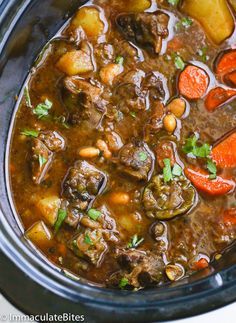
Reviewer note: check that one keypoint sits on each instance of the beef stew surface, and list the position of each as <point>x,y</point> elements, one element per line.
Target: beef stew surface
<point>123,154</point>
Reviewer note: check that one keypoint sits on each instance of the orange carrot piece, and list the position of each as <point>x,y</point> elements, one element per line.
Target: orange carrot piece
<point>230,79</point>
<point>229,216</point>
<point>200,179</point>
<point>226,63</point>
<point>224,154</point>
<point>201,264</point>
<point>193,82</point>
<point>62,249</point>
<point>218,96</point>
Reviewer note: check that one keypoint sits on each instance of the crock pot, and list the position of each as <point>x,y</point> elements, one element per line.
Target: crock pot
<point>26,278</point>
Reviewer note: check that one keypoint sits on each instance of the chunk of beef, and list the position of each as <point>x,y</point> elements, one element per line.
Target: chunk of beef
<point>53,140</point>
<point>145,29</point>
<point>41,160</point>
<point>154,85</point>
<point>140,268</point>
<point>155,123</point>
<point>83,100</point>
<point>166,200</point>
<point>105,222</point>
<point>136,160</point>
<point>82,184</point>
<point>90,245</point>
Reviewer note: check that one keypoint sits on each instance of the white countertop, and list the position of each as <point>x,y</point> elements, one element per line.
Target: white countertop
<point>226,314</point>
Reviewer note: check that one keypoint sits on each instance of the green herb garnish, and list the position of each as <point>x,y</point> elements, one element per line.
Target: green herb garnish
<point>135,241</point>
<point>27,97</point>
<point>142,156</point>
<point>119,60</point>
<point>30,133</point>
<point>167,173</point>
<point>186,22</point>
<point>94,214</point>
<point>211,166</point>
<point>62,120</point>
<point>42,109</point>
<point>87,239</point>
<point>203,54</point>
<point>177,170</point>
<point>133,114</point>
<point>42,161</point>
<point>179,63</point>
<point>61,215</point>
<point>173,2</point>
<point>123,282</point>
<point>192,148</point>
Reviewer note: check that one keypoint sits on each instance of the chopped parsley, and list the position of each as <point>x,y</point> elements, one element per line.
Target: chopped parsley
<point>211,166</point>
<point>142,156</point>
<point>173,2</point>
<point>203,54</point>
<point>27,97</point>
<point>87,239</point>
<point>42,161</point>
<point>135,241</point>
<point>119,60</point>
<point>61,215</point>
<point>30,133</point>
<point>167,173</point>
<point>94,214</point>
<point>185,22</point>
<point>177,170</point>
<point>42,109</point>
<point>133,114</point>
<point>123,282</point>
<point>179,63</point>
<point>191,148</point>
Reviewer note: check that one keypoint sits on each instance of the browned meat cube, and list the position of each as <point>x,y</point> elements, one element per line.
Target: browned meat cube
<point>53,140</point>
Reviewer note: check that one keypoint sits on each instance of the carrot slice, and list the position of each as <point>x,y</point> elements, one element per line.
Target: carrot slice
<point>229,216</point>
<point>218,96</point>
<point>224,154</point>
<point>200,264</point>
<point>193,82</point>
<point>226,63</point>
<point>200,179</point>
<point>230,79</point>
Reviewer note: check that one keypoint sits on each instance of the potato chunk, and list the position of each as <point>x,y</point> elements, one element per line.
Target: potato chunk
<point>49,207</point>
<point>109,72</point>
<point>75,62</point>
<point>138,5</point>
<point>214,15</point>
<point>89,19</point>
<point>39,234</point>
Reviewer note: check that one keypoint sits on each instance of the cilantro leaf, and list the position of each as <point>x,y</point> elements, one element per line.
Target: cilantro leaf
<point>142,156</point>
<point>211,166</point>
<point>186,22</point>
<point>42,161</point>
<point>30,133</point>
<point>119,60</point>
<point>27,97</point>
<point>94,214</point>
<point>134,241</point>
<point>191,147</point>
<point>42,109</point>
<point>179,63</point>
<point>87,240</point>
<point>61,215</point>
<point>167,173</point>
<point>123,282</point>
<point>177,170</point>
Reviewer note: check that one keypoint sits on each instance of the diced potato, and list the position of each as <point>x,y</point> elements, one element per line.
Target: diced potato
<point>75,62</point>
<point>39,234</point>
<point>233,4</point>
<point>49,207</point>
<point>138,5</point>
<point>109,72</point>
<point>89,19</point>
<point>214,15</point>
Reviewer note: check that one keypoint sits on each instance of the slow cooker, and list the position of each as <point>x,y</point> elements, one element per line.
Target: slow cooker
<point>26,278</point>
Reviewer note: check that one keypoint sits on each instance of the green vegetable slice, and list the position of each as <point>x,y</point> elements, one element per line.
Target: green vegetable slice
<point>94,214</point>
<point>61,215</point>
<point>30,133</point>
